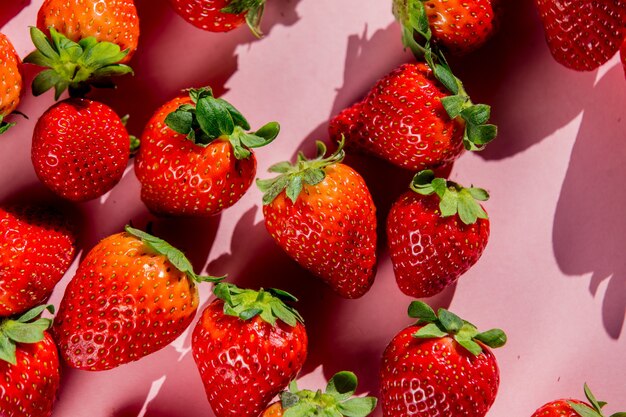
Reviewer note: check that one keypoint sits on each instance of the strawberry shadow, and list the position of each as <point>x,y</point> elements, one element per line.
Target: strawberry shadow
<point>589,234</point>
<point>9,9</point>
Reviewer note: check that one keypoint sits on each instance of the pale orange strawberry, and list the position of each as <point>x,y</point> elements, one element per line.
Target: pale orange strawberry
<point>10,81</point>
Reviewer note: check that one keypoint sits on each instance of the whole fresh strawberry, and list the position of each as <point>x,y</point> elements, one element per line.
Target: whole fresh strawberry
<point>29,365</point>
<point>80,149</point>
<point>335,400</point>
<point>583,34</point>
<point>196,156</point>
<point>37,246</point>
<point>575,408</point>
<point>132,295</point>
<point>436,231</point>
<point>11,86</point>
<point>221,15</point>
<point>248,346</point>
<point>440,366</point>
<point>322,214</point>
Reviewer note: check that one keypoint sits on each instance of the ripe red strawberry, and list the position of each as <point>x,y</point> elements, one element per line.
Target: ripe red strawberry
<point>37,246</point>
<point>80,149</point>
<point>322,214</point>
<point>132,295</point>
<point>436,232</point>
<point>575,408</point>
<point>11,85</point>
<point>441,366</point>
<point>221,15</point>
<point>583,34</point>
<point>247,345</point>
<point>335,400</point>
<point>196,157</point>
<point>29,365</point>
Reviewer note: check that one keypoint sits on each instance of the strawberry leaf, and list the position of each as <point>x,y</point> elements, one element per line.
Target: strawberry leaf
<point>23,330</point>
<point>342,385</point>
<point>422,311</point>
<point>430,331</point>
<point>493,338</point>
<point>584,410</point>
<point>357,407</point>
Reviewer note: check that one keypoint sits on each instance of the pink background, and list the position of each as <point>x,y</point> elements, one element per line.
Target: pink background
<point>554,272</point>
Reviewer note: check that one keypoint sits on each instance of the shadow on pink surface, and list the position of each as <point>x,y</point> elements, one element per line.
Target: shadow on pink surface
<point>589,232</point>
<point>10,8</point>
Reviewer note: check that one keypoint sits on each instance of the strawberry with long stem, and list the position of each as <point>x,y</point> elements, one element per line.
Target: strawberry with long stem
<point>575,408</point>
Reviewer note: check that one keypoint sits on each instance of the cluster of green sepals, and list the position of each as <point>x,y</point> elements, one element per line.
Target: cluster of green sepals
<point>76,66</point>
<point>305,171</point>
<point>596,406</point>
<point>253,10</point>
<point>417,35</point>
<point>28,328</point>
<point>335,401</point>
<point>210,118</point>
<point>270,305</point>
<point>454,198</point>
<point>175,256</point>
<point>444,324</point>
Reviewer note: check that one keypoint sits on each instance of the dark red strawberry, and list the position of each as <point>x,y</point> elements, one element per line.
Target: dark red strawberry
<point>80,149</point>
<point>196,157</point>
<point>37,246</point>
<point>436,232</point>
<point>322,214</point>
<point>11,85</point>
<point>575,408</point>
<point>583,34</point>
<point>248,346</point>
<point>29,365</point>
<point>441,366</point>
<point>132,295</point>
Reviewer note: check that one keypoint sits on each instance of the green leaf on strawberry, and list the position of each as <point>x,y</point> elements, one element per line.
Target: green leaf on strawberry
<point>26,328</point>
<point>254,13</point>
<point>584,410</point>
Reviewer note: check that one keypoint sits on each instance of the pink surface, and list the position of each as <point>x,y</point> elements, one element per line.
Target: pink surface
<point>554,272</point>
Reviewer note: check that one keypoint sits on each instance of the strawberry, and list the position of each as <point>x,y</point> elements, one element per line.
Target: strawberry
<point>247,345</point>
<point>132,295</point>
<point>11,85</point>
<point>196,157</point>
<point>29,365</point>
<point>80,149</point>
<point>583,34</point>
<point>322,214</point>
<point>440,366</point>
<point>37,246</point>
<point>436,232</point>
<point>335,401</point>
<point>575,408</point>
<point>221,15</point>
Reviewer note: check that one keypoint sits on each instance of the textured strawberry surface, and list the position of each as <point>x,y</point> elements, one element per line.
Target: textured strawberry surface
<point>207,15</point>
<point>274,410</point>
<point>10,76</point>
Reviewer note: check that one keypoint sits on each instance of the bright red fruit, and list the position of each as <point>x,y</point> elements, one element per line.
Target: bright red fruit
<point>196,157</point>
<point>221,15</point>
<point>80,149</point>
<point>248,346</point>
<point>575,408</point>
<point>132,295</point>
<point>441,366</point>
<point>12,80</point>
<point>37,246</point>
<point>322,214</point>
<point>436,232</point>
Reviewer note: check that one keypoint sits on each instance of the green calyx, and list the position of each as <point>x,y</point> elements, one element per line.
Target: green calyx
<point>4,125</point>
<point>417,35</point>
<point>454,198</point>
<point>175,256</point>
<point>28,328</point>
<point>270,305</point>
<point>74,66</point>
<point>210,119</point>
<point>444,324</point>
<point>336,401</point>
<point>293,176</point>
<point>596,406</point>
<point>253,10</point>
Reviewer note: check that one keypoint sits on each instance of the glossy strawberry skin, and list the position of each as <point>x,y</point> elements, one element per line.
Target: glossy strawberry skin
<point>11,77</point>
<point>436,377</point>
<point>403,121</point>
<point>583,34</point>
<point>29,388</point>
<point>37,247</point>
<point>430,252</point>
<point>114,21</point>
<point>330,230</point>
<point>80,149</point>
<point>559,408</point>
<point>245,364</point>
<point>180,178</point>
<point>207,15</point>
<point>274,410</point>
<point>125,302</point>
